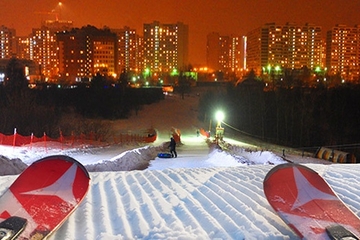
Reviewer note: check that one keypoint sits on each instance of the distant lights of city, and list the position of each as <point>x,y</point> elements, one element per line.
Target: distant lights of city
<point>163,48</point>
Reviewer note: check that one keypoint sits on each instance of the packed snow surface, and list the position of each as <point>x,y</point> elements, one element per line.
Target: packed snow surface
<point>205,193</point>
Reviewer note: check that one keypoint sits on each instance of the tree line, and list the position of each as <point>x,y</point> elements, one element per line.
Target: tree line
<point>298,116</point>
<point>71,109</point>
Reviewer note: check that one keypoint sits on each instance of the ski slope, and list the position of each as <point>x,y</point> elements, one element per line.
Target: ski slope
<point>205,193</point>
<point>189,203</point>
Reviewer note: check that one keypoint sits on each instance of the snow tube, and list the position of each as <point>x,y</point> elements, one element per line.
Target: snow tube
<point>164,155</point>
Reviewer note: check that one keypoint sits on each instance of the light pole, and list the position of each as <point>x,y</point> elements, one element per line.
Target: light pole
<point>219,117</point>
<point>219,130</point>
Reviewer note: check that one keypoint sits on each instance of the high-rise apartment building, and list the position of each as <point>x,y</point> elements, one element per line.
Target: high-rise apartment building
<point>343,51</point>
<point>43,47</point>
<point>140,53</point>
<point>243,53</point>
<point>23,50</point>
<point>7,42</point>
<point>85,52</point>
<point>235,54</point>
<point>213,51</point>
<point>165,46</point>
<point>128,50</point>
<point>290,46</point>
<point>223,53</point>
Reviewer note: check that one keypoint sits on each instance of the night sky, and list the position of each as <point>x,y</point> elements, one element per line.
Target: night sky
<point>203,16</point>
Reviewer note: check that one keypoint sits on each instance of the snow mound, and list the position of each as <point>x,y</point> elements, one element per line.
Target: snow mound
<point>136,159</point>
<point>11,167</point>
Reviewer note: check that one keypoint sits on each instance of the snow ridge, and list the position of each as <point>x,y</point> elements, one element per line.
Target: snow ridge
<point>203,203</point>
<point>199,203</point>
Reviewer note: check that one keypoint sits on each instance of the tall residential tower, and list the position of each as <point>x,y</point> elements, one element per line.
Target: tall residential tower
<point>7,42</point>
<point>85,52</point>
<point>44,49</point>
<point>128,49</point>
<point>223,53</point>
<point>165,46</point>
<point>291,46</point>
<point>343,51</point>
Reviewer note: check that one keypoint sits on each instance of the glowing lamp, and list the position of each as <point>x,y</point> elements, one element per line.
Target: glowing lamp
<point>219,116</point>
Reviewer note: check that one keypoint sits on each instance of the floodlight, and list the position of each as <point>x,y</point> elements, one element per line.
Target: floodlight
<point>219,116</point>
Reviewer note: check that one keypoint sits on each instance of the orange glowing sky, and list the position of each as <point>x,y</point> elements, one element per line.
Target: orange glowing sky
<point>203,16</point>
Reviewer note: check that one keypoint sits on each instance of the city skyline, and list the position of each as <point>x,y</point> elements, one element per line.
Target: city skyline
<point>226,17</point>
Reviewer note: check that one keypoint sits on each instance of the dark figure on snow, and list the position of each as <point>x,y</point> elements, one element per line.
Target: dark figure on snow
<point>172,147</point>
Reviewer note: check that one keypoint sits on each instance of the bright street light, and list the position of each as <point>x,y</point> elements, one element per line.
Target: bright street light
<point>219,116</point>
<point>219,130</point>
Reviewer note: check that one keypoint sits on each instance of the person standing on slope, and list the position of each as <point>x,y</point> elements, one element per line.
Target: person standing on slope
<point>172,146</point>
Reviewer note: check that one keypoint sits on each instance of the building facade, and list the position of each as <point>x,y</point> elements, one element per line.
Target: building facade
<point>44,49</point>
<point>165,46</point>
<point>128,50</point>
<point>23,50</point>
<point>7,42</point>
<point>213,51</point>
<point>289,46</point>
<point>343,52</point>
<point>223,53</point>
<point>85,52</point>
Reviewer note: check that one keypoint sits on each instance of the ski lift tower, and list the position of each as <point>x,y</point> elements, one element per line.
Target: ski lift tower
<point>219,133</point>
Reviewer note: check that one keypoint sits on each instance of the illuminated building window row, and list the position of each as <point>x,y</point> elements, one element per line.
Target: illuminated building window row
<point>291,46</point>
<point>63,56</point>
<point>161,42</point>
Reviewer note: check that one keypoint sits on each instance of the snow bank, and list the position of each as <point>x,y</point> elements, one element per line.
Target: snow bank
<point>190,155</point>
<point>11,167</point>
<point>136,159</point>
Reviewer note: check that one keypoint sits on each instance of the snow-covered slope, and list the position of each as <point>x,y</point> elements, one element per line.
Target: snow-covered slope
<point>192,203</point>
<point>202,203</point>
<point>205,193</point>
